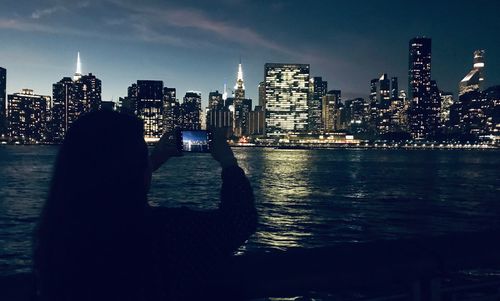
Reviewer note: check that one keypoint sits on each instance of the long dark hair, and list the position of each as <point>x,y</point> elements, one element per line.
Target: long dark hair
<point>90,238</point>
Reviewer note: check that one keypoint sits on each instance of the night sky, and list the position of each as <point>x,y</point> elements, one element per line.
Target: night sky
<point>196,45</point>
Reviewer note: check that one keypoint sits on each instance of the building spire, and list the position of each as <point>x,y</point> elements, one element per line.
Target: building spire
<point>239,81</point>
<point>224,94</point>
<point>78,73</point>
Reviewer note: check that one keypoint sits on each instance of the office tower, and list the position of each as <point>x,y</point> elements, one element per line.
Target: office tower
<point>383,90</point>
<point>446,103</point>
<point>474,79</point>
<point>215,101</point>
<point>492,95</point>
<point>128,104</point>
<point>317,89</point>
<point>422,117</point>
<point>242,106</point>
<point>3,100</point>
<point>28,115</point>
<point>149,103</point>
<point>218,115</point>
<point>72,97</point>
<point>256,123</point>
<point>171,109</point>
<point>262,95</point>
<point>191,109</point>
<point>287,92</point>
<point>394,88</point>
<point>331,114</point>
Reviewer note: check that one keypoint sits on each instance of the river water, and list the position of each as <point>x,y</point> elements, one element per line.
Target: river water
<point>305,198</point>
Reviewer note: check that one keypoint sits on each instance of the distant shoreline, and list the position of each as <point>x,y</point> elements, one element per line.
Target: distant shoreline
<point>394,146</point>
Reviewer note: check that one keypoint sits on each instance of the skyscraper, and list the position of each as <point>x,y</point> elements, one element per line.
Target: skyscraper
<point>474,79</point>
<point>191,109</point>
<point>171,109</point>
<point>242,106</point>
<point>3,100</point>
<point>423,113</point>
<point>262,95</point>
<point>287,93</point>
<point>331,115</point>
<point>446,103</point>
<point>150,106</point>
<point>72,97</point>
<point>394,88</point>
<point>317,89</point>
<point>28,115</point>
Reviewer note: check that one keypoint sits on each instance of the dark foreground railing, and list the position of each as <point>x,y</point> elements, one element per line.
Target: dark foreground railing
<point>416,269</point>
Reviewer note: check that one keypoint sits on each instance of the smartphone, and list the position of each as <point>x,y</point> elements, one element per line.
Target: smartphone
<point>199,141</point>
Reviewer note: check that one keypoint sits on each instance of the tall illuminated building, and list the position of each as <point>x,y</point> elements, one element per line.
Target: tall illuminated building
<point>148,95</point>
<point>3,100</point>
<point>171,109</point>
<point>242,106</point>
<point>394,88</point>
<point>287,93</point>
<point>191,110</point>
<point>423,112</point>
<point>330,105</point>
<point>28,116</point>
<point>473,81</point>
<point>317,89</point>
<point>447,101</point>
<point>262,95</point>
<point>72,97</point>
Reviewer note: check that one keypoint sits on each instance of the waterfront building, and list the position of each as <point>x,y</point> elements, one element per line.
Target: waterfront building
<point>28,114</point>
<point>3,100</point>
<point>72,97</point>
<point>493,114</point>
<point>317,89</point>
<point>171,109</point>
<point>423,112</point>
<point>331,114</point>
<point>473,81</point>
<point>287,92</point>
<point>256,121</point>
<point>191,110</point>
<point>146,96</point>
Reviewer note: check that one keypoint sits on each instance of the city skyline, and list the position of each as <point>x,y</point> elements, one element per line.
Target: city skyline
<point>208,45</point>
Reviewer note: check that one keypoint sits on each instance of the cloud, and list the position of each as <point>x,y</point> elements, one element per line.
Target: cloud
<point>40,13</point>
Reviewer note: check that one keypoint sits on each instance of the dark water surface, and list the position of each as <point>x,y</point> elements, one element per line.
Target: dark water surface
<point>305,198</point>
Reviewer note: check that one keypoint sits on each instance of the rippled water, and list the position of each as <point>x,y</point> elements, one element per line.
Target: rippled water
<point>305,198</point>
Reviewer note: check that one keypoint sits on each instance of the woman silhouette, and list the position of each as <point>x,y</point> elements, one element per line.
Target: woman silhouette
<point>98,239</point>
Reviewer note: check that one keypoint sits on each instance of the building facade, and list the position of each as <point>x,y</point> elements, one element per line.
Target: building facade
<point>317,89</point>
<point>191,111</point>
<point>3,100</point>
<point>473,81</point>
<point>287,93</point>
<point>423,113</point>
<point>28,116</point>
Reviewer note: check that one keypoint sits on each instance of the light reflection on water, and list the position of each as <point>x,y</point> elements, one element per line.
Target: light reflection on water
<point>305,198</point>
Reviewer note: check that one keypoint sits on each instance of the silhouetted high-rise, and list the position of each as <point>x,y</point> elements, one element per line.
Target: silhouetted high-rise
<point>3,100</point>
<point>72,97</point>
<point>287,92</point>
<point>317,89</point>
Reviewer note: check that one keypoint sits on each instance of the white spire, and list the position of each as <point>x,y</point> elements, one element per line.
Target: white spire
<point>78,73</point>
<point>239,80</point>
<point>224,95</point>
